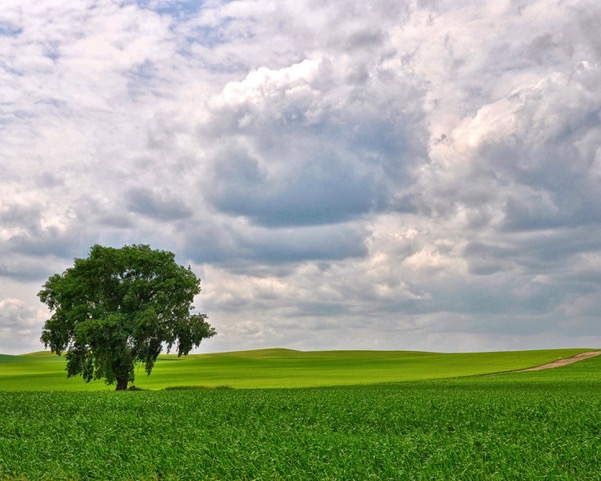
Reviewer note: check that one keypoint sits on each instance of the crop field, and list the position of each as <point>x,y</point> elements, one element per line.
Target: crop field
<point>543,425</point>
<point>277,368</point>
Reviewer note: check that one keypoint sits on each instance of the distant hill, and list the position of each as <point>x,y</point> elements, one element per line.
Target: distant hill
<point>275,368</point>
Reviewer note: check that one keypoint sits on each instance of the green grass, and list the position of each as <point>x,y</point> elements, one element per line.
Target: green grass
<point>517,426</point>
<point>277,368</point>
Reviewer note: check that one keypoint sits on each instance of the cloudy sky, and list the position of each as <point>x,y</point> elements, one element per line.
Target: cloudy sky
<point>418,174</point>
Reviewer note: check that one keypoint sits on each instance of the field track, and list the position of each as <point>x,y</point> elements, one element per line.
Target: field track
<point>563,362</point>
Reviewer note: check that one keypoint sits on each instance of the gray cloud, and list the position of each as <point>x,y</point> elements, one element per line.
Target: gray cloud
<point>323,190</point>
<point>19,326</point>
<point>300,151</point>
<point>420,175</point>
<point>241,246</point>
<point>157,205</point>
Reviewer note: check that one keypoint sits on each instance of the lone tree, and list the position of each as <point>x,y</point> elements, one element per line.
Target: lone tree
<point>120,307</point>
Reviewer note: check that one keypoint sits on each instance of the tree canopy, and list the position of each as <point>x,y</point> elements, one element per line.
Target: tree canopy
<point>119,307</point>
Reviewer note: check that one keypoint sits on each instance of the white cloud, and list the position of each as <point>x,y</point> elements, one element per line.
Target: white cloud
<point>396,175</point>
<point>19,326</point>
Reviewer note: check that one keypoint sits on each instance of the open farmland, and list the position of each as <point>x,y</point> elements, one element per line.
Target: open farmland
<point>527,426</point>
<point>278,368</point>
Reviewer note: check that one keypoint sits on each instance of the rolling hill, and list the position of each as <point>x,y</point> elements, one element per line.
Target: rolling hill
<point>277,368</point>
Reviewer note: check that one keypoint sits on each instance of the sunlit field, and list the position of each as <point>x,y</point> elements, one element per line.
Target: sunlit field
<point>277,368</point>
<point>543,425</point>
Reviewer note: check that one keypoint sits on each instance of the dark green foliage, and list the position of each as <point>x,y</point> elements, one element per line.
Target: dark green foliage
<point>119,307</point>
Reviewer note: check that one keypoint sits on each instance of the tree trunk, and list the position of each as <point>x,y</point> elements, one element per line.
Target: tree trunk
<point>121,383</point>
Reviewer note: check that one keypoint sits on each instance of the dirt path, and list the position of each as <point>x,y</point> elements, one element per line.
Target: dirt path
<point>563,362</point>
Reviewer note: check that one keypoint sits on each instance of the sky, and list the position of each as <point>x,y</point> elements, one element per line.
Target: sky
<point>411,175</point>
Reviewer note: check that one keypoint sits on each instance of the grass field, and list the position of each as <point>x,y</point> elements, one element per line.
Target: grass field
<point>277,368</point>
<point>543,425</point>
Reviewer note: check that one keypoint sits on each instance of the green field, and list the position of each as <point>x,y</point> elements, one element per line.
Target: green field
<point>277,368</point>
<point>543,425</point>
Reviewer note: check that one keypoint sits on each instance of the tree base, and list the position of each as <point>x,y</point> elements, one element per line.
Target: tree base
<point>121,385</point>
